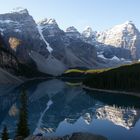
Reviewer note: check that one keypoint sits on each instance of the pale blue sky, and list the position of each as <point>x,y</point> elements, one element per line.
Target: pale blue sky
<point>99,14</point>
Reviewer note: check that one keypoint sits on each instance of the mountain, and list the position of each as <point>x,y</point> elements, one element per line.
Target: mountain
<point>89,35</point>
<point>46,48</point>
<point>22,35</point>
<point>20,26</point>
<point>122,40</point>
<point>67,46</point>
<point>125,36</point>
<point>72,32</point>
<point>45,42</point>
<point>11,69</point>
<point>8,65</point>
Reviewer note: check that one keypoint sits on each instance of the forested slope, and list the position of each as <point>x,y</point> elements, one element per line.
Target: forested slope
<point>126,78</point>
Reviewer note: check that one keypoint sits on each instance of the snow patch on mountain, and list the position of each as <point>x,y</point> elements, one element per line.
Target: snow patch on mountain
<point>51,26</point>
<point>72,32</point>
<point>17,30</point>
<point>88,32</point>
<point>41,34</point>
<point>1,31</point>
<point>52,21</point>
<point>19,10</point>
<point>8,21</point>
<point>89,36</point>
<point>115,58</point>
<point>48,22</point>
<point>71,29</point>
<point>125,35</point>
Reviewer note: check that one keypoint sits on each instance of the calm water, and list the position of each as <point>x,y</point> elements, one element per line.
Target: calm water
<point>60,108</point>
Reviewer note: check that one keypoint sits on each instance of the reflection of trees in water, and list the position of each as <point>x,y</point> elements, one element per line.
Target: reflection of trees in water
<point>119,100</point>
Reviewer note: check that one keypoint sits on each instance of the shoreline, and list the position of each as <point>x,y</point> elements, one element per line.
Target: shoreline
<point>112,91</point>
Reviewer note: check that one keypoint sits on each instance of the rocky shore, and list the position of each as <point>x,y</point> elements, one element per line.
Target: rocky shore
<point>112,91</point>
<point>74,136</point>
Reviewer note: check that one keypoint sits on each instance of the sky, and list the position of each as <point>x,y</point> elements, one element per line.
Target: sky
<point>98,14</point>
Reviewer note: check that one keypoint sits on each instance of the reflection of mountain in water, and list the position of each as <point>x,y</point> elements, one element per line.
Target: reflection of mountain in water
<point>70,105</point>
<point>125,117</point>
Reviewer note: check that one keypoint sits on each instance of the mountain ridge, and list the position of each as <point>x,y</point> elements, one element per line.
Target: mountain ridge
<point>69,48</point>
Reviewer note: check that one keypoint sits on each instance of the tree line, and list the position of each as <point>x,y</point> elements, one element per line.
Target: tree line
<point>126,78</point>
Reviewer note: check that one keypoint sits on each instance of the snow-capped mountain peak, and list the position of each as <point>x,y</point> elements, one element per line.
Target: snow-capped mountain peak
<point>127,26</point>
<point>49,27</point>
<point>72,32</point>
<point>125,35</point>
<point>52,21</point>
<point>19,10</point>
<point>129,22</point>
<point>46,21</point>
<point>89,36</point>
<point>88,32</point>
<point>71,29</point>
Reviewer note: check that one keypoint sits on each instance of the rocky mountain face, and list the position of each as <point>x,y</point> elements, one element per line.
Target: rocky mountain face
<point>89,35</point>
<point>67,46</point>
<point>11,67</point>
<point>19,26</point>
<point>51,50</point>
<point>124,39</point>
<point>7,60</point>
<point>72,32</point>
<point>45,42</point>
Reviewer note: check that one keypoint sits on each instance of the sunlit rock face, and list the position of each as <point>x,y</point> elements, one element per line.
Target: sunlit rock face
<point>121,39</point>
<point>125,36</point>
<point>72,32</point>
<point>14,43</point>
<point>7,60</point>
<point>89,36</point>
<point>124,117</point>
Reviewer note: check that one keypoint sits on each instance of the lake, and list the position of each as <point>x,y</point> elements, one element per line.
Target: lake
<point>58,108</point>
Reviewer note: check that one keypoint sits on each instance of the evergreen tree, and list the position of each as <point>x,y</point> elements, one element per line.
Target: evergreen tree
<point>5,134</point>
<point>22,126</point>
